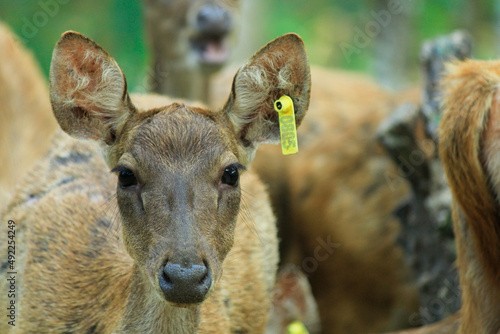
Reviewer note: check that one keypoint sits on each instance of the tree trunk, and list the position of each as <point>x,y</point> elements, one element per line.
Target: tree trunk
<point>410,136</point>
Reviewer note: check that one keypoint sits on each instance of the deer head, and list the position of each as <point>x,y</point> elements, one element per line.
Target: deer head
<point>177,167</point>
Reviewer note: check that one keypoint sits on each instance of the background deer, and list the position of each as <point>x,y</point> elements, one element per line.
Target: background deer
<point>469,148</point>
<point>190,41</point>
<point>183,254</point>
<point>292,301</point>
<point>26,121</point>
<point>449,325</point>
<point>338,191</point>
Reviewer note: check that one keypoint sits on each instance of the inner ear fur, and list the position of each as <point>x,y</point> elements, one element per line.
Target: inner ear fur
<point>279,68</point>
<point>88,90</point>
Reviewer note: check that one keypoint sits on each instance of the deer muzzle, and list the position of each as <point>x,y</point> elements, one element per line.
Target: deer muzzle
<point>185,283</point>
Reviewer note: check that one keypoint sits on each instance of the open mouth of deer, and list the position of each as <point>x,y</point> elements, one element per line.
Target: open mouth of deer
<point>211,50</point>
<point>185,284</point>
<point>213,26</point>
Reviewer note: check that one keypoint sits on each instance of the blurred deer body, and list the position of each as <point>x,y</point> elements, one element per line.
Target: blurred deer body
<point>185,216</point>
<point>335,201</point>
<point>26,120</point>
<point>190,40</point>
<point>292,301</point>
<point>449,325</point>
<point>470,151</point>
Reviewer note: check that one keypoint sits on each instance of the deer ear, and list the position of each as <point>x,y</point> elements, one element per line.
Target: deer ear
<point>88,89</point>
<point>279,68</point>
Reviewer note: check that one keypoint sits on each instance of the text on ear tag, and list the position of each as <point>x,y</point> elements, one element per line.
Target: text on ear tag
<point>288,130</point>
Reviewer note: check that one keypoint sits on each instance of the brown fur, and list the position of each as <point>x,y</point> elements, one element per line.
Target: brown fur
<point>449,325</point>
<point>343,195</point>
<point>26,120</point>
<point>178,67</point>
<point>469,137</point>
<point>85,267</point>
<point>293,301</point>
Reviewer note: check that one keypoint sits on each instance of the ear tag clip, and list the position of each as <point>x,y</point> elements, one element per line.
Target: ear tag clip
<point>288,130</point>
<point>297,327</point>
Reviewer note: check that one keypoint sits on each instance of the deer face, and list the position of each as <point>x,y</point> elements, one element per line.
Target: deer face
<point>178,193</point>
<point>177,167</point>
<point>199,31</point>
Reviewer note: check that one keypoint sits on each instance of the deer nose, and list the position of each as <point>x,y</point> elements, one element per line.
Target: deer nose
<point>213,20</point>
<point>185,284</point>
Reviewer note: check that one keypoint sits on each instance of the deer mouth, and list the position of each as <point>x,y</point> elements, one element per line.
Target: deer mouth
<point>211,51</point>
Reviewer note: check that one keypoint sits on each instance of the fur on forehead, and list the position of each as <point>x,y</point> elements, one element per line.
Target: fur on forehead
<point>180,132</point>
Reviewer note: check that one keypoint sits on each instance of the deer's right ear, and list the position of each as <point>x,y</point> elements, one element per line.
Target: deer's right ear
<point>88,90</point>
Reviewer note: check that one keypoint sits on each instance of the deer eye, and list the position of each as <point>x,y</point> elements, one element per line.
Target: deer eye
<point>126,178</point>
<point>231,176</point>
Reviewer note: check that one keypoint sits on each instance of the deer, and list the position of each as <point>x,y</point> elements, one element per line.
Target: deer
<point>145,216</point>
<point>26,121</point>
<point>190,41</point>
<point>293,303</point>
<point>338,111</point>
<point>335,91</point>
<point>469,149</point>
<point>449,325</point>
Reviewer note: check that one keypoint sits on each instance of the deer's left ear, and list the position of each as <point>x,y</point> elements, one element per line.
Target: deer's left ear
<point>279,68</point>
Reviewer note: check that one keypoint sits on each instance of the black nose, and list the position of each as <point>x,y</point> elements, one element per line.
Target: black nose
<point>213,20</point>
<point>185,285</point>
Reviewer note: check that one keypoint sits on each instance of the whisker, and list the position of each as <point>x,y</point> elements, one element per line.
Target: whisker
<point>247,217</point>
<point>246,193</point>
<point>110,209</point>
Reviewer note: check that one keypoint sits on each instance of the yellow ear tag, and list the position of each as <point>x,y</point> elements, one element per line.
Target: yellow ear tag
<point>296,327</point>
<point>288,130</point>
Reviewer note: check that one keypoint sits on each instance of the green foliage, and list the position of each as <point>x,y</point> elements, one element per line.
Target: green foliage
<point>115,24</point>
<point>324,25</point>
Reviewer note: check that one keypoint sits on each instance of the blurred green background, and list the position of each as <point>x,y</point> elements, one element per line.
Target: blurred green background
<point>328,27</point>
